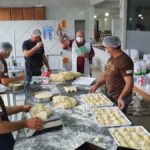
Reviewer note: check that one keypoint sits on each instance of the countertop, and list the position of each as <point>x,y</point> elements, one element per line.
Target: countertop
<point>78,127</point>
<point>143,91</point>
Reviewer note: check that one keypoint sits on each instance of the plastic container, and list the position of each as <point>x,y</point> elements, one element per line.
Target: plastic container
<point>45,77</point>
<point>137,68</point>
<point>143,67</point>
<point>134,53</point>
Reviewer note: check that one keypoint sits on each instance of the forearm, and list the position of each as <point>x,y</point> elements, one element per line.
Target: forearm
<point>60,36</point>
<point>6,81</point>
<point>7,127</point>
<point>29,53</point>
<point>14,109</point>
<point>126,91</point>
<point>101,81</point>
<point>45,62</point>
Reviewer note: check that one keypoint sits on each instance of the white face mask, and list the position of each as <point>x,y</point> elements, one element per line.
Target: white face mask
<point>79,39</point>
<point>106,50</point>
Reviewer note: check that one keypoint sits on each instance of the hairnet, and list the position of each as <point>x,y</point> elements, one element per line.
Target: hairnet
<point>111,41</point>
<point>36,32</point>
<point>5,46</point>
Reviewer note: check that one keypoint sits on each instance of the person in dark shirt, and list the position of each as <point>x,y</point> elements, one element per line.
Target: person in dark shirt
<point>118,74</point>
<point>34,54</point>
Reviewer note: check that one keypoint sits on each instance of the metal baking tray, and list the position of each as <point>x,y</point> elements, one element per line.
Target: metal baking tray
<point>97,105</point>
<point>128,122</point>
<point>42,100</point>
<point>83,81</point>
<point>145,132</point>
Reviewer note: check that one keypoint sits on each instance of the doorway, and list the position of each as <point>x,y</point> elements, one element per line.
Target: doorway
<point>79,25</point>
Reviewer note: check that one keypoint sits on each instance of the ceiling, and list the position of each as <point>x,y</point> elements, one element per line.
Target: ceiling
<point>108,4</point>
<point>29,3</point>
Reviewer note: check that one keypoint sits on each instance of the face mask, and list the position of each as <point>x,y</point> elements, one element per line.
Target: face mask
<point>106,50</point>
<point>79,39</point>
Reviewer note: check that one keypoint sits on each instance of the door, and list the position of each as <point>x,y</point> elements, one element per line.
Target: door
<point>79,25</point>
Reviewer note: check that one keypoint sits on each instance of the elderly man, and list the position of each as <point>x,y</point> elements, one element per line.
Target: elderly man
<point>33,50</point>
<point>5,50</point>
<point>118,75</point>
<point>82,54</point>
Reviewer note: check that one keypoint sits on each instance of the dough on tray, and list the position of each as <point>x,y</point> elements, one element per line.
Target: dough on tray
<point>70,89</point>
<point>64,76</point>
<point>64,102</point>
<point>96,99</point>
<point>42,111</point>
<point>132,137</point>
<point>43,94</point>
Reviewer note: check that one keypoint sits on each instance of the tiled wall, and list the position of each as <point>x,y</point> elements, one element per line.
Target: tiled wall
<point>16,32</point>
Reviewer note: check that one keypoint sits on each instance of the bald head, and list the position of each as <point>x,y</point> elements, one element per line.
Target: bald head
<point>80,36</point>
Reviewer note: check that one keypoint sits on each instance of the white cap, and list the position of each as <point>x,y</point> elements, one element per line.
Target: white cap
<point>36,32</point>
<point>111,41</point>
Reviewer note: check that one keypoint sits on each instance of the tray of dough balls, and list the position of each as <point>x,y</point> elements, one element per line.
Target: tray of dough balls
<point>96,100</point>
<point>42,96</point>
<point>136,137</point>
<point>110,117</point>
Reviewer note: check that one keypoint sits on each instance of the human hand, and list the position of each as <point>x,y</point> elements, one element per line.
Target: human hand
<point>34,123</point>
<point>20,77</point>
<point>121,103</point>
<point>49,70</point>
<point>94,88</point>
<point>26,108</point>
<point>86,55</point>
<point>39,45</point>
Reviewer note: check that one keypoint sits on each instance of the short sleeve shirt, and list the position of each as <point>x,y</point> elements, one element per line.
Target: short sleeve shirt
<point>27,45</point>
<point>1,109</point>
<point>116,69</point>
<point>1,69</point>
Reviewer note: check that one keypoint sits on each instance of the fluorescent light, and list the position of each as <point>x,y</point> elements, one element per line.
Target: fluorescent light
<point>106,14</point>
<point>105,19</point>
<point>130,19</point>
<point>95,16</point>
<point>139,15</point>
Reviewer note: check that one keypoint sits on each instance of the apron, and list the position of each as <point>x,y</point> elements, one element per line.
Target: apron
<point>33,68</point>
<point>6,140</point>
<point>80,63</point>
<point>5,72</point>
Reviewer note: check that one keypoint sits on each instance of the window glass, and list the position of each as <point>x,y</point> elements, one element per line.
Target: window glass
<point>138,15</point>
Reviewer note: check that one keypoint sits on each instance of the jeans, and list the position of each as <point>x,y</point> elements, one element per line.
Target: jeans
<point>127,102</point>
